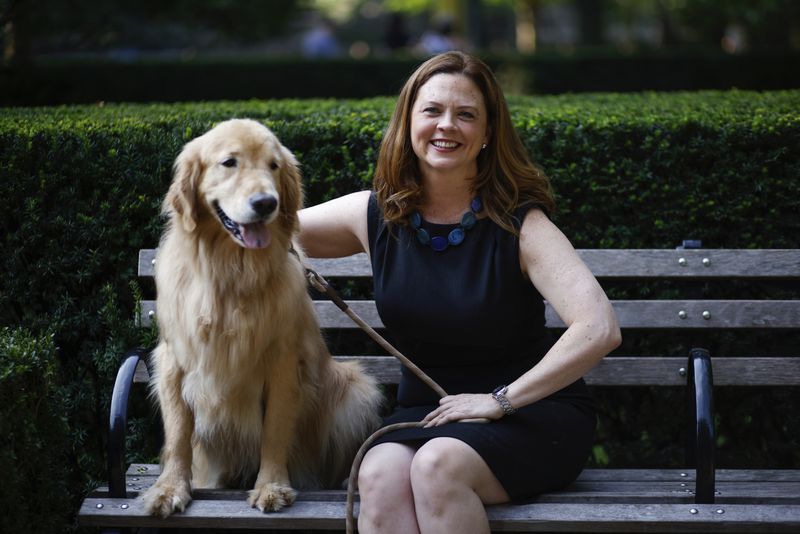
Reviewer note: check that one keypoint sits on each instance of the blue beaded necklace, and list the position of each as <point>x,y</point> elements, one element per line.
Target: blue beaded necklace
<point>456,236</point>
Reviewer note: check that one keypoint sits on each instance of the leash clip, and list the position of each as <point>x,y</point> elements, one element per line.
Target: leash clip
<point>320,284</point>
<point>316,281</point>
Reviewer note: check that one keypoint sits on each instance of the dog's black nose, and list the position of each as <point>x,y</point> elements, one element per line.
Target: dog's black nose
<point>263,204</point>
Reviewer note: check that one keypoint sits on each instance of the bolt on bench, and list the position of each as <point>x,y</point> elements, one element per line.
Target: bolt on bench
<point>698,498</point>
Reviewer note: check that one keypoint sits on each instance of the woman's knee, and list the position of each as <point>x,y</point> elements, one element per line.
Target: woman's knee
<point>438,463</point>
<point>445,468</point>
<point>385,469</point>
<point>387,504</point>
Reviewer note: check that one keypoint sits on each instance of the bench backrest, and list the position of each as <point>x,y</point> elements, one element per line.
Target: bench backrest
<point>687,316</point>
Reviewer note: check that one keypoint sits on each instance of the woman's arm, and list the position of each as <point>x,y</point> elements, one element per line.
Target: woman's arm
<point>569,287</point>
<point>336,228</point>
<point>558,273</point>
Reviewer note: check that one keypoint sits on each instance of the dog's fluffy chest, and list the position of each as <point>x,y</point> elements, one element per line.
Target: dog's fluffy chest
<point>226,330</point>
<point>227,306</point>
<point>221,405</point>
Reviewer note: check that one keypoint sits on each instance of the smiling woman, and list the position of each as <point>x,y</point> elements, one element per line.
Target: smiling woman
<point>504,173</point>
<point>448,130</point>
<point>463,255</point>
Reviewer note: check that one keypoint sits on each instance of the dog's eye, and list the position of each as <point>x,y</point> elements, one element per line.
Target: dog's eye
<point>273,165</point>
<point>230,162</point>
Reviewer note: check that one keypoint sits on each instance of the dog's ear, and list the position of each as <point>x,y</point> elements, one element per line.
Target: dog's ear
<point>291,191</point>
<point>182,197</point>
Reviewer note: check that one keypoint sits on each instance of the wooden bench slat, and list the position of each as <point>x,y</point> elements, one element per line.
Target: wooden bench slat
<point>656,314</point>
<point>585,489</point>
<point>729,263</point>
<point>645,370</point>
<point>627,474</point>
<point>756,371</point>
<point>625,370</point>
<point>638,314</point>
<point>137,470</point>
<point>759,486</point>
<point>727,492</point>
<point>355,266</point>
<point>147,262</point>
<point>722,313</point>
<point>611,263</point>
<point>688,474</point>
<point>625,517</point>
<point>212,514</point>
<point>767,476</point>
<point>606,492</point>
<point>534,517</point>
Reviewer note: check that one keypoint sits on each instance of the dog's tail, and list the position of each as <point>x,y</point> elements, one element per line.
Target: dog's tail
<point>348,412</point>
<point>357,416</point>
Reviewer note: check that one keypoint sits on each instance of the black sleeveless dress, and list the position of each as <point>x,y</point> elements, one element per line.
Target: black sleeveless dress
<point>472,321</point>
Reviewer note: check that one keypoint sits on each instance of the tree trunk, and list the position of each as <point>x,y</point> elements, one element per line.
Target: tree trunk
<point>17,28</point>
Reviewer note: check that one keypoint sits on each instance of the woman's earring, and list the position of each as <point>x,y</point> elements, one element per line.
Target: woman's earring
<point>483,146</point>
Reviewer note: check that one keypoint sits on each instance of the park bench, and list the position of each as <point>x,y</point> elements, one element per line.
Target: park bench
<point>695,498</point>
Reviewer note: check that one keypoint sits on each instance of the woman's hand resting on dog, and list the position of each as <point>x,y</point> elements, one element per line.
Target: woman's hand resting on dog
<point>465,408</point>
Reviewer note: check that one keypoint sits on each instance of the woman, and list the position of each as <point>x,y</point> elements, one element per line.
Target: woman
<point>463,253</point>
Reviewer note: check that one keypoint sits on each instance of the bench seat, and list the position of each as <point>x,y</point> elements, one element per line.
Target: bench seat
<point>631,500</point>
<point>698,498</point>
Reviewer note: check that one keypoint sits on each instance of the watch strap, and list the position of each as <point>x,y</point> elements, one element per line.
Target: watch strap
<point>499,394</point>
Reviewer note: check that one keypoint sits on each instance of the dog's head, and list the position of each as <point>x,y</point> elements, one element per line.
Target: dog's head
<point>239,174</point>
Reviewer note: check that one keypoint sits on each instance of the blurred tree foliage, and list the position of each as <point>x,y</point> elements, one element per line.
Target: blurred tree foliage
<point>767,22</point>
<point>93,24</point>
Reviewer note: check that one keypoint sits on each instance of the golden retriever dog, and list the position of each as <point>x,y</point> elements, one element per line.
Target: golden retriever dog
<point>249,394</point>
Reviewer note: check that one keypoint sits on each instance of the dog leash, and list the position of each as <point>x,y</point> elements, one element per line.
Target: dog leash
<point>320,284</point>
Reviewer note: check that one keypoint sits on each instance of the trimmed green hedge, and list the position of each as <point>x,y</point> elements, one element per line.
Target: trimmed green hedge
<point>34,456</point>
<point>702,158</point>
<point>81,188</point>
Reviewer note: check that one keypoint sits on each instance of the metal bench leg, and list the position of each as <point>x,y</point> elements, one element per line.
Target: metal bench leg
<point>701,435</point>
<point>118,422</point>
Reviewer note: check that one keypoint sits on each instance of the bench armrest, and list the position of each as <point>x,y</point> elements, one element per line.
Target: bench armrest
<point>118,421</point>
<point>701,433</point>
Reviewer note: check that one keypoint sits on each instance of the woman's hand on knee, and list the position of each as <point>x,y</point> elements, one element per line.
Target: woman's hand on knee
<point>467,407</point>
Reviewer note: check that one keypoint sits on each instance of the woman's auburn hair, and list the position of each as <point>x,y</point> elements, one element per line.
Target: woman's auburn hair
<point>507,178</point>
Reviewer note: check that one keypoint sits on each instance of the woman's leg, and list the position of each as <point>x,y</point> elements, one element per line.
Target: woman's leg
<point>451,483</point>
<point>384,487</point>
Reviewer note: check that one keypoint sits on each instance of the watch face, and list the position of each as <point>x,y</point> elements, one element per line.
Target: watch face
<point>500,390</point>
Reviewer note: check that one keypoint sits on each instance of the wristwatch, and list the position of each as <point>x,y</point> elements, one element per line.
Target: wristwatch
<point>499,394</point>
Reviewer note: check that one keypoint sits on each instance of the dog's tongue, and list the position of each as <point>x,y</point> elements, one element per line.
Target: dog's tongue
<point>255,235</point>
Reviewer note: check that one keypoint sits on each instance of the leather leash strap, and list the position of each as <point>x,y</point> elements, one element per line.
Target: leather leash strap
<point>320,284</point>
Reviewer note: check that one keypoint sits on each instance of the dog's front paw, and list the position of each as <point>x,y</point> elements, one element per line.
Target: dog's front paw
<point>271,497</point>
<point>163,498</point>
